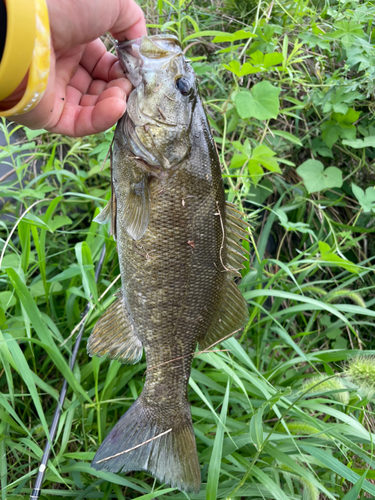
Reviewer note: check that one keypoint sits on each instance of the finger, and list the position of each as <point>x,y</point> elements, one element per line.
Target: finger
<point>88,100</point>
<point>81,80</point>
<point>78,121</point>
<point>73,95</point>
<point>130,23</point>
<point>96,87</point>
<point>94,51</point>
<point>116,71</point>
<point>78,22</point>
<point>107,112</point>
<point>106,68</point>
<point>122,83</point>
<point>97,61</point>
<point>112,92</point>
<point>91,100</point>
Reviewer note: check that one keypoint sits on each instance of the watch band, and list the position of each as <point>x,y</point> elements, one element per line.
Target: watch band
<point>3,27</point>
<point>34,46</point>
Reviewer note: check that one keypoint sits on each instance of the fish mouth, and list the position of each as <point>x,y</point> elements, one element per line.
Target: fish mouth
<point>145,53</point>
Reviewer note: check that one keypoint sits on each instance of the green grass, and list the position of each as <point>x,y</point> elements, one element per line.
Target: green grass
<point>285,409</point>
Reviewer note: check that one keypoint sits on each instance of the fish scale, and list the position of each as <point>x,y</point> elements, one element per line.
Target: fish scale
<point>177,241</point>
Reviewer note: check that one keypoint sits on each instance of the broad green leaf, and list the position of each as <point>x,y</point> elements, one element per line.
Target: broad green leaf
<point>262,102</point>
<point>59,221</point>
<point>316,178</point>
<point>257,57</point>
<point>245,148</point>
<point>366,142</point>
<point>347,31</point>
<point>238,160</point>
<point>272,59</point>
<point>366,200</point>
<point>265,157</point>
<point>255,171</point>
<point>31,134</point>
<point>351,116</point>
<point>340,126</point>
<point>236,68</point>
<point>7,299</point>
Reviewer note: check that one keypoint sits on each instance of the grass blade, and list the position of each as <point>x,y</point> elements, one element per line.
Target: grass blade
<point>215,462</point>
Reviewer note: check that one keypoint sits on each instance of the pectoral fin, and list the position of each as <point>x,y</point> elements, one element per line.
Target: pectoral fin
<point>136,212</point>
<point>114,336</point>
<point>109,212</point>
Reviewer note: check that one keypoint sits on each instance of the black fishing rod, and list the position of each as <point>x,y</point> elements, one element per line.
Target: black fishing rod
<point>56,417</point>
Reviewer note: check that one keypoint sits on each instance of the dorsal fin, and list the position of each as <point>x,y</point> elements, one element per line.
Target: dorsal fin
<point>232,312</point>
<point>236,230</point>
<point>114,336</point>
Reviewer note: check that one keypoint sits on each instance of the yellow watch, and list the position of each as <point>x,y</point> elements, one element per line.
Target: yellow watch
<point>27,49</point>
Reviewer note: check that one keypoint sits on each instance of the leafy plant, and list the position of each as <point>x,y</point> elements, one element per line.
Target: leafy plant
<point>285,408</point>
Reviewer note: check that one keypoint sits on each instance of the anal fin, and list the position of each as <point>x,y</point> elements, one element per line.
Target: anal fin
<point>231,314</point>
<point>114,336</point>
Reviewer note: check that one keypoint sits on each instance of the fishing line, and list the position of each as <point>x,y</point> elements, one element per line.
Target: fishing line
<point>56,417</point>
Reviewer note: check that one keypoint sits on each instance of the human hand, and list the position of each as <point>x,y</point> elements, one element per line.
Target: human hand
<point>86,89</point>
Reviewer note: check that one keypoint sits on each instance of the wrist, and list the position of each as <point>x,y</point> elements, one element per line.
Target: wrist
<point>15,97</point>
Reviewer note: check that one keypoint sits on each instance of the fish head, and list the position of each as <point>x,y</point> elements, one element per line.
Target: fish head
<point>160,108</point>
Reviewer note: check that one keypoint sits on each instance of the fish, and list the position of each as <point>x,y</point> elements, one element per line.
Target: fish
<point>179,249</point>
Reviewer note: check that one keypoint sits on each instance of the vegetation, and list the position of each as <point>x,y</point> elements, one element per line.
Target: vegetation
<point>283,410</point>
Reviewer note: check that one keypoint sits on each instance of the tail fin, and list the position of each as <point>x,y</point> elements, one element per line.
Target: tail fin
<point>136,443</point>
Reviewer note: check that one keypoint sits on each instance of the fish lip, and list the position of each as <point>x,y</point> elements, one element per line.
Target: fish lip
<point>130,60</point>
<point>142,54</point>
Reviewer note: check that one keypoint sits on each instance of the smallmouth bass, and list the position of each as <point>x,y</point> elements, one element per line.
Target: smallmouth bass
<point>178,247</point>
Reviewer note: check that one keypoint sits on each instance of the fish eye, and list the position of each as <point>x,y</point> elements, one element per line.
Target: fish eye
<point>183,85</point>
